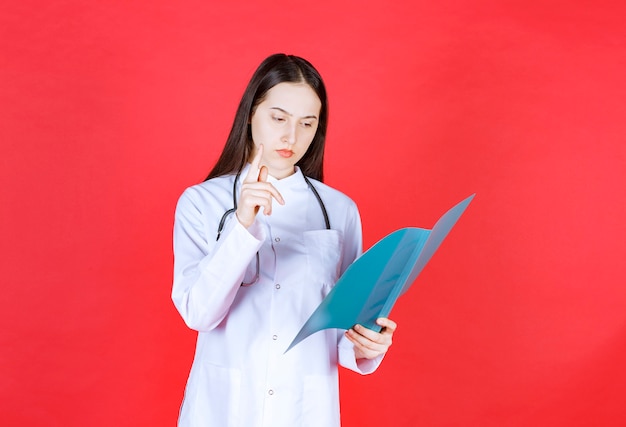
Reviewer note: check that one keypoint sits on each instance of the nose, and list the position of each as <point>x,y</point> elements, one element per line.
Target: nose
<point>290,136</point>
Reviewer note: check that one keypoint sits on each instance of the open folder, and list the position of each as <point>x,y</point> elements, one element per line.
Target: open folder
<point>371,285</point>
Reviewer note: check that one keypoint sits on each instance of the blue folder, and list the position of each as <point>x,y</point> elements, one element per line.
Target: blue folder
<point>372,284</point>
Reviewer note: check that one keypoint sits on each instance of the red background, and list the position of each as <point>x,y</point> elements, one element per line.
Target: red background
<point>108,110</point>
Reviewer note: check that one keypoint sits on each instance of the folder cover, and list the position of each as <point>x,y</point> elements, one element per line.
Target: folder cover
<point>372,284</point>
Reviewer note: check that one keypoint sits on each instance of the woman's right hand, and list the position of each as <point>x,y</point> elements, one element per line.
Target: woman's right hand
<point>256,192</point>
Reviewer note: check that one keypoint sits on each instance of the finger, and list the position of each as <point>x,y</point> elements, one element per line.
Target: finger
<point>364,347</point>
<point>259,194</point>
<point>367,338</point>
<point>260,199</point>
<point>253,173</point>
<point>263,174</point>
<point>267,207</point>
<point>279,197</point>
<point>361,352</point>
<point>389,326</point>
<point>265,189</point>
<point>255,194</point>
<point>368,334</point>
<point>271,192</point>
<point>358,340</point>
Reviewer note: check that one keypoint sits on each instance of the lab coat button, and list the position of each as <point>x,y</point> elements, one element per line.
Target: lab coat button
<point>277,285</point>
<point>277,239</point>
<point>275,337</point>
<point>270,392</point>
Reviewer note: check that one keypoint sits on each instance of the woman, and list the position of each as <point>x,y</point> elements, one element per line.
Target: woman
<point>257,247</point>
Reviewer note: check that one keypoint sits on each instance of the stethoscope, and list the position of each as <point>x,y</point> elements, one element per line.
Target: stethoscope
<point>228,212</point>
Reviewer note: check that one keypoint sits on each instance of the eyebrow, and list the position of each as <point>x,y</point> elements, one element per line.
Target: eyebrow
<point>289,114</point>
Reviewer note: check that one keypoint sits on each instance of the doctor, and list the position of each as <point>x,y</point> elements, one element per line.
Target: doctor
<point>257,247</point>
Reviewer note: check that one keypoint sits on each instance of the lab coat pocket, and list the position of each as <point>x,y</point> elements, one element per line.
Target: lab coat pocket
<point>212,396</point>
<point>320,403</point>
<point>324,252</point>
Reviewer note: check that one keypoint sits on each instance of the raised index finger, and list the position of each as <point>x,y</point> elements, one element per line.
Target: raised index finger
<point>253,173</point>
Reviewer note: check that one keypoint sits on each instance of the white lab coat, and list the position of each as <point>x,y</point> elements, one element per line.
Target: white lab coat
<point>240,376</point>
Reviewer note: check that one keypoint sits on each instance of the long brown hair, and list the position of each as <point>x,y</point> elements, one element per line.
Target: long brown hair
<point>277,68</point>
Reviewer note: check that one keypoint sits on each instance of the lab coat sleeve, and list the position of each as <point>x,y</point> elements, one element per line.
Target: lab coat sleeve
<point>348,360</point>
<point>208,274</point>
<point>353,248</point>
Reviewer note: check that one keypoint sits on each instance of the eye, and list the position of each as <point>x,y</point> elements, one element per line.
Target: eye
<point>278,119</point>
<point>307,124</point>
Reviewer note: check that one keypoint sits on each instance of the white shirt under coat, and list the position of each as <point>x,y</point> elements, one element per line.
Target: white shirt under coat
<point>240,376</point>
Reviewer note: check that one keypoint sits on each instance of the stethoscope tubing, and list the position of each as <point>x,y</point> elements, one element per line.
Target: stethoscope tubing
<point>234,208</point>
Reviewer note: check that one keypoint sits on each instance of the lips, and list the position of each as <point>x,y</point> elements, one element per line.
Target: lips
<point>285,153</point>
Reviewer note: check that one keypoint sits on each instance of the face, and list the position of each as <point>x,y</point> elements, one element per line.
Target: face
<point>285,123</point>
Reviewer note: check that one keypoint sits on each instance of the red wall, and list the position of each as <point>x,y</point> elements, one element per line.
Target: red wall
<point>108,110</point>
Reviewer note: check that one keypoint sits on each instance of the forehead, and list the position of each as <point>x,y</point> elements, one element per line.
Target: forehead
<point>298,99</point>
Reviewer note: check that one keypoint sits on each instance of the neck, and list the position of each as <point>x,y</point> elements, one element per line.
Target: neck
<point>280,174</point>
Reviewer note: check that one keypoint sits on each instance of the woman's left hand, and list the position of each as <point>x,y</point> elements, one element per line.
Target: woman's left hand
<point>369,344</point>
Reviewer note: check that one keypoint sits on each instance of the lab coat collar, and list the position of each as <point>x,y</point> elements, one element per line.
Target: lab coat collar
<point>294,181</point>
